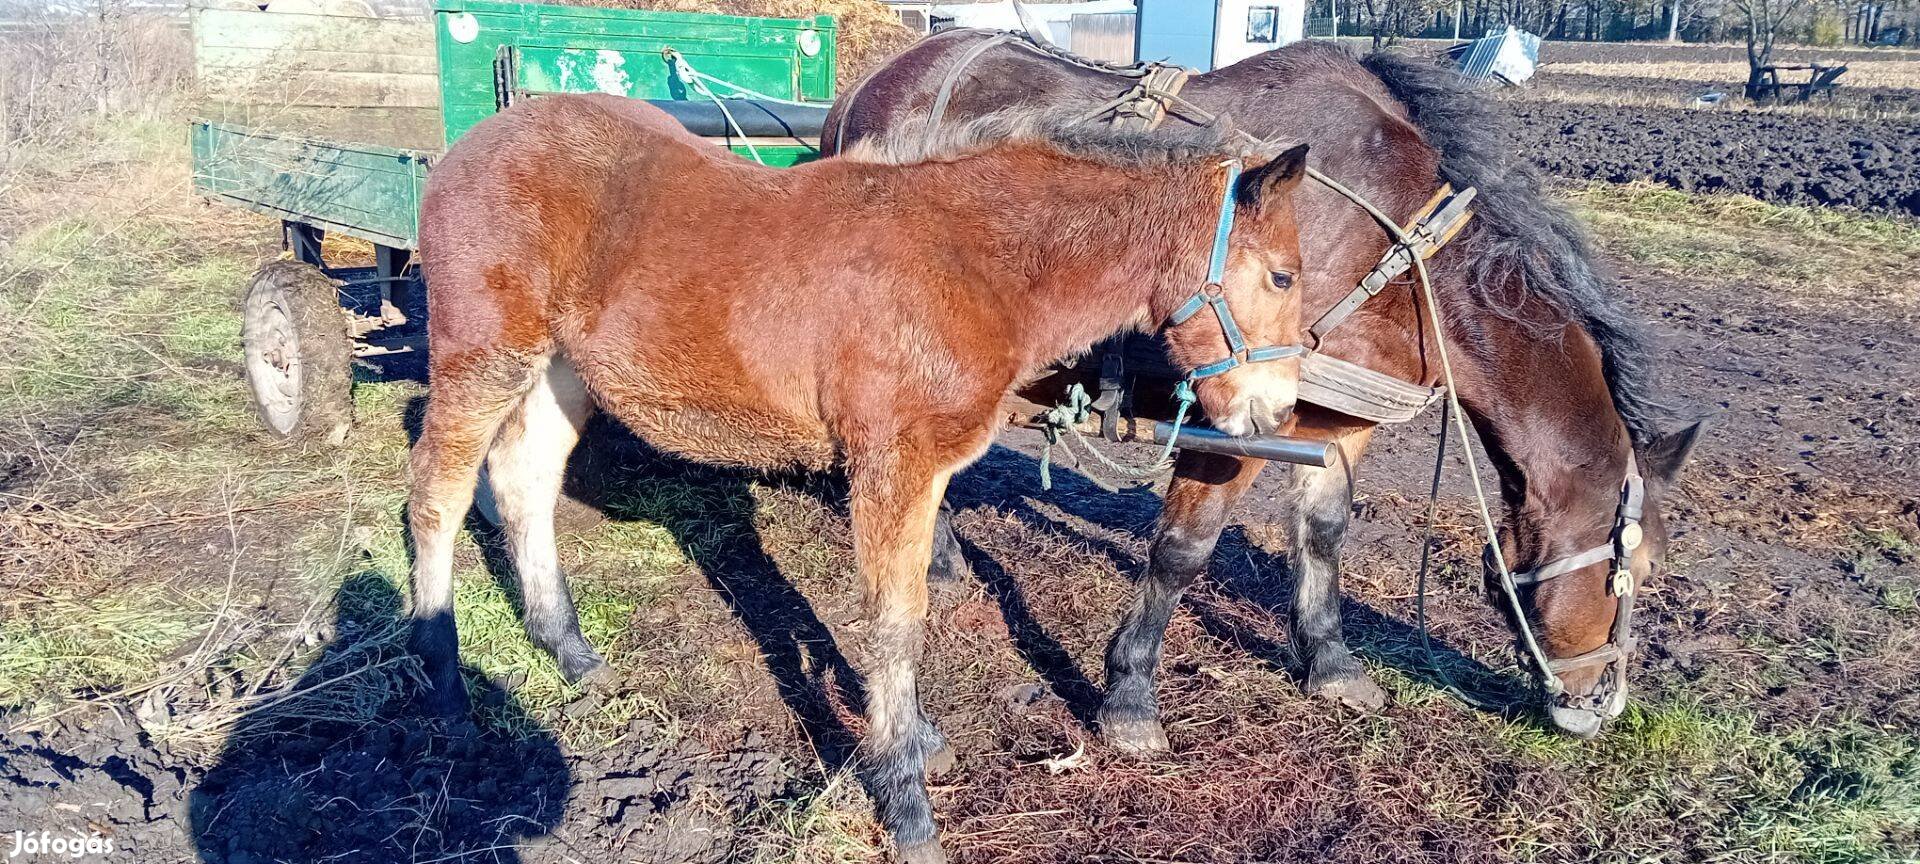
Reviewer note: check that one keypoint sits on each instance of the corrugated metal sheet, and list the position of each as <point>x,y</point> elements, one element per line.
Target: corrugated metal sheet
<point>1104,36</point>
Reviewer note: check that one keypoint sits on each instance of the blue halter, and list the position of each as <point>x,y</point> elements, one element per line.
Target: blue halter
<point>1214,294</point>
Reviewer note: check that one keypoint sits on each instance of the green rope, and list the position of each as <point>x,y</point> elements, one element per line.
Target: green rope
<point>1063,421</point>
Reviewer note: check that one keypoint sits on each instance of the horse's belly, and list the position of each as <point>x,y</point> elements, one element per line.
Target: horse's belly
<point>729,435</point>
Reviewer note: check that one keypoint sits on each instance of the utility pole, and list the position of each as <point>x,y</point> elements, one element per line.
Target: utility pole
<point>1673,22</point>
<point>1459,11</point>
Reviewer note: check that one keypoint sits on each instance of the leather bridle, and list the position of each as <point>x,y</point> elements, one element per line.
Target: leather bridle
<point>1627,535</point>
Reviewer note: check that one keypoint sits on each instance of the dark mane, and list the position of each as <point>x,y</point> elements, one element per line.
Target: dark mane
<point>1517,231</point>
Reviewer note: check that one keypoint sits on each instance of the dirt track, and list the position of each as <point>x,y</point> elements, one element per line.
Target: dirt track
<point>1781,158</point>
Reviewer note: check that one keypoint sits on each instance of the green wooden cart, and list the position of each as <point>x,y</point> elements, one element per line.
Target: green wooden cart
<point>330,124</point>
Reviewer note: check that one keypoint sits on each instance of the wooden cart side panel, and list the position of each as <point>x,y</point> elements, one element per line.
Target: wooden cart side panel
<point>286,60</point>
<point>363,191</point>
<point>559,49</point>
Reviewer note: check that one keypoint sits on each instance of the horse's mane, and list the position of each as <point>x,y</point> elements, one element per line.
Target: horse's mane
<point>1062,128</point>
<point>1518,232</point>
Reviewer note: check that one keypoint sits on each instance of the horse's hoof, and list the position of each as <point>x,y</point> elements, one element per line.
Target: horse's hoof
<point>1354,690</point>
<point>1135,736</point>
<point>923,852</point>
<point>586,668</point>
<point>940,761</point>
<point>597,677</point>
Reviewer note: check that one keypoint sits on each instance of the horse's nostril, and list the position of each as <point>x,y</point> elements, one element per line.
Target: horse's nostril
<point>1265,419</point>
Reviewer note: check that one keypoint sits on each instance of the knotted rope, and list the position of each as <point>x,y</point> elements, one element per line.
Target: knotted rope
<point>1062,422</point>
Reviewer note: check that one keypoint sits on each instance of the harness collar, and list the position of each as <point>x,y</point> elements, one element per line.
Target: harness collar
<point>1213,294</point>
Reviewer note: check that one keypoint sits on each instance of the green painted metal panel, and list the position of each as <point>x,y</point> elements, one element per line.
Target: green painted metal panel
<point>373,191</point>
<point>563,49</point>
<point>362,190</point>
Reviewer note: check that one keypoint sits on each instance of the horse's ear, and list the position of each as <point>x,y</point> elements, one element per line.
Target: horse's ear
<point>1276,176</point>
<point>1662,458</point>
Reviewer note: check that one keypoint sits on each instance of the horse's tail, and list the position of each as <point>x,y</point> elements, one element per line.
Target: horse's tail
<point>1522,241</point>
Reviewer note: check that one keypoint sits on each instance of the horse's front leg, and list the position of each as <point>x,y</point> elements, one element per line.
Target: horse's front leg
<point>896,496</point>
<point>1203,491</point>
<point>1322,510</point>
<point>950,569</point>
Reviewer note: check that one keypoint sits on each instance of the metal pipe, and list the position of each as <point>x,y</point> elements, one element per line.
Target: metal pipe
<point>1275,448</point>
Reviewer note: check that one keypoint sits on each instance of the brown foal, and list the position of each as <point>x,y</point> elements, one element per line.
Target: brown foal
<point>854,313</point>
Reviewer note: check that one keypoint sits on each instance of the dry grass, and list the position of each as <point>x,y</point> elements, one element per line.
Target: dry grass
<point>1809,254</point>
<point>1902,74</point>
<point>53,77</point>
<point>869,31</point>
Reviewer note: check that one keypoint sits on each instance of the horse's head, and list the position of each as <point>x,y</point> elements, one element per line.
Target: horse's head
<point>1576,601</point>
<point>1239,335</point>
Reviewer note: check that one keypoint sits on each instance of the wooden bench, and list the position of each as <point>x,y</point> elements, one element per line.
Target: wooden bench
<point>1820,80</point>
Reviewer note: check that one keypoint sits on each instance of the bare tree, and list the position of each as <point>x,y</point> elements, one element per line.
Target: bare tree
<point>1764,19</point>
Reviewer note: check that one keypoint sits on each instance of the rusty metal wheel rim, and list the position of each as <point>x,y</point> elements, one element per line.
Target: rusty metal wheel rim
<point>274,366</point>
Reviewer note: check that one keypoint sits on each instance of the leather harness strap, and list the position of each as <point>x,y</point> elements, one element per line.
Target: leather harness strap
<point>1431,227</point>
<point>1627,536</point>
<point>945,95</point>
<point>1145,107</point>
<point>1350,388</point>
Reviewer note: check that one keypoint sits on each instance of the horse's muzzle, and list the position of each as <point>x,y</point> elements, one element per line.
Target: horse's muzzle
<point>1268,420</point>
<point>1584,716</point>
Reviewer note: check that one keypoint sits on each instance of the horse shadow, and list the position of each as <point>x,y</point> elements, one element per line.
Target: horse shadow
<point>603,474</point>
<point>1241,572</point>
<point>344,767</point>
<point>793,639</point>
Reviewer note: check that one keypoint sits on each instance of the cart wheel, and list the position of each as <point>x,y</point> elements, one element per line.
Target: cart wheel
<point>299,356</point>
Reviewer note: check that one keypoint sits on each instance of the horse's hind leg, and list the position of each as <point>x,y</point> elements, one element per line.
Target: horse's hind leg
<point>895,501</point>
<point>949,568</point>
<point>468,402</point>
<point>1322,513</point>
<point>525,469</point>
<point>1204,489</point>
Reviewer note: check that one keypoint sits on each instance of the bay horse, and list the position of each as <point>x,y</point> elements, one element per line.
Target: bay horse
<point>867,314</point>
<point>1550,368</point>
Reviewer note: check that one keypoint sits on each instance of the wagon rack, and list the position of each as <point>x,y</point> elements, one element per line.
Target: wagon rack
<point>1821,81</point>
<point>330,124</point>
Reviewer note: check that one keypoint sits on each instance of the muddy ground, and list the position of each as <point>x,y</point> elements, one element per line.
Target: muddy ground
<point>1558,51</point>
<point>202,653</point>
<point>1784,158</point>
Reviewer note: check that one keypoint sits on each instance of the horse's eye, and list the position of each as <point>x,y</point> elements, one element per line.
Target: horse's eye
<point>1281,279</point>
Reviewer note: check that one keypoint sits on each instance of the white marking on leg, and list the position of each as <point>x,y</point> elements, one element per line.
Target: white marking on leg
<point>526,469</point>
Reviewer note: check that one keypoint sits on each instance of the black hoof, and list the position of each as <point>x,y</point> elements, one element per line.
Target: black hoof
<point>1133,732</point>
<point>923,852</point>
<point>1352,689</point>
<point>585,667</point>
<point>578,662</point>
